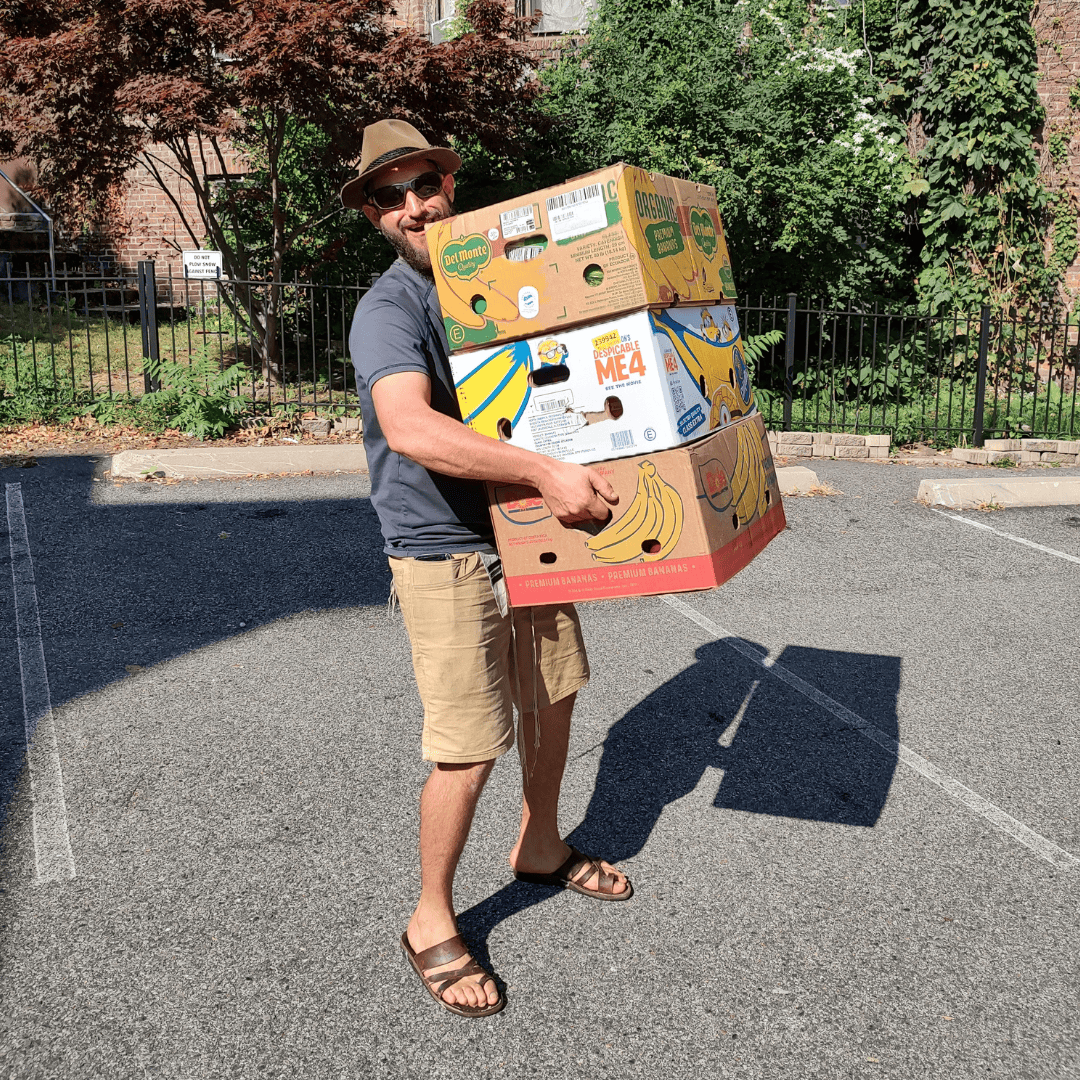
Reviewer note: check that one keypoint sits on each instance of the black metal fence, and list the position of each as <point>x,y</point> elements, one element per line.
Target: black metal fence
<point>937,377</point>
<point>942,377</point>
<point>90,337</point>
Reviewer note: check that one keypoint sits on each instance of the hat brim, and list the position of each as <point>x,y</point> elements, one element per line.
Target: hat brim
<point>353,196</point>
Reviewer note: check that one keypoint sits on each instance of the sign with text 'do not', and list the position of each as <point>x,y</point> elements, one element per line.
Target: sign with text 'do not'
<point>202,265</point>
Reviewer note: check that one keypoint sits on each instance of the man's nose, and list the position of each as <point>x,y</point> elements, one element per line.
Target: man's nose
<point>414,205</point>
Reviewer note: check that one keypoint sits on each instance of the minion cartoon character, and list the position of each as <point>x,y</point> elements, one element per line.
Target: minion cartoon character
<point>709,329</point>
<point>552,352</point>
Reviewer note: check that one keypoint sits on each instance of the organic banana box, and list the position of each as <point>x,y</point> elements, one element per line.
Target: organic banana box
<point>688,518</point>
<point>599,245</point>
<point>646,381</point>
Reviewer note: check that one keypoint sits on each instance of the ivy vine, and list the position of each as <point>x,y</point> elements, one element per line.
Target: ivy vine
<point>962,75</point>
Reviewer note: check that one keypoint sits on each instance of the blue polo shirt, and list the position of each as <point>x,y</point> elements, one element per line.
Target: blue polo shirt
<point>398,326</point>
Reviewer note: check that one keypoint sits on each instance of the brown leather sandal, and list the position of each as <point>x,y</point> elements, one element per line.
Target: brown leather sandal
<point>444,953</point>
<point>573,873</point>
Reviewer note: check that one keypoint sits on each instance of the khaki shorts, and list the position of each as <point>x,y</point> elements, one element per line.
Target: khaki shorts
<point>467,670</point>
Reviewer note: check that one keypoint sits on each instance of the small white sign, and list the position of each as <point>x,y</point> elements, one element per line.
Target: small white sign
<point>203,265</point>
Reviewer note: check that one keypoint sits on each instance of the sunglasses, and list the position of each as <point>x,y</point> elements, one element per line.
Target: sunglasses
<point>392,196</point>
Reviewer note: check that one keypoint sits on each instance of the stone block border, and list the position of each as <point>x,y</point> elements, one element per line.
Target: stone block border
<point>1023,452</point>
<point>823,444</point>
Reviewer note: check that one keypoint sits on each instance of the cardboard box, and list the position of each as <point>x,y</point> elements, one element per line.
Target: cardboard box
<point>642,382</point>
<point>687,519</point>
<point>599,245</point>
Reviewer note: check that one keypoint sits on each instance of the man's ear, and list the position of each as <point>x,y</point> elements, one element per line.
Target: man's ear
<point>371,214</point>
<point>448,186</point>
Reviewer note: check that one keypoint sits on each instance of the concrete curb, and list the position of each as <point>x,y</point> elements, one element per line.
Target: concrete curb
<point>796,480</point>
<point>970,494</point>
<point>216,462</point>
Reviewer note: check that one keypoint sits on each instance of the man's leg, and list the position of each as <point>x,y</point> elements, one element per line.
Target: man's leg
<point>447,806</point>
<point>540,848</point>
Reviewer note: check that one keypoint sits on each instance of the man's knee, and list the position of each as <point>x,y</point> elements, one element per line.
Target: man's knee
<point>473,774</point>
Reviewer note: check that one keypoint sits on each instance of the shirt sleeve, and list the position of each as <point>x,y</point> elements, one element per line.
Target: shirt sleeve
<point>385,340</point>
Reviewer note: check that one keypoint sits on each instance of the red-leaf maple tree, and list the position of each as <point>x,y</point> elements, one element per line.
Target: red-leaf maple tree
<point>91,88</point>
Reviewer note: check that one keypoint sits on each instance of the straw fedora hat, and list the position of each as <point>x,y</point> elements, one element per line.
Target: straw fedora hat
<point>397,142</point>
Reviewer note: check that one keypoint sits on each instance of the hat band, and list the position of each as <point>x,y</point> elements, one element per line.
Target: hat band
<point>390,155</point>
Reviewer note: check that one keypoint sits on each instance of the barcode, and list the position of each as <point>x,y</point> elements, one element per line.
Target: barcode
<point>525,253</point>
<point>518,222</point>
<point>620,440</point>
<point>572,198</point>
<point>555,405</point>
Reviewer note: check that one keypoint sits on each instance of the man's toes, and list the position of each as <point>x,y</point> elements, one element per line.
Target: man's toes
<point>492,991</point>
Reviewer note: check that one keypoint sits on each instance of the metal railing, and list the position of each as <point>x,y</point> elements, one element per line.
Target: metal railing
<point>104,334</point>
<point>942,378</point>
<point>936,377</point>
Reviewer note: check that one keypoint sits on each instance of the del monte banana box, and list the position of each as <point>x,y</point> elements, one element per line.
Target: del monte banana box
<point>646,381</point>
<point>599,245</point>
<point>688,518</point>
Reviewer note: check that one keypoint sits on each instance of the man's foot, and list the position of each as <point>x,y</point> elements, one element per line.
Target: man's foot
<point>475,990</point>
<point>567,867</point>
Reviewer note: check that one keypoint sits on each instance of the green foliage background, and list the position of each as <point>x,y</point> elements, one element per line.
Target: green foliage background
<point>775,108</point>
<point>963,78</point>
<point>880,152</point>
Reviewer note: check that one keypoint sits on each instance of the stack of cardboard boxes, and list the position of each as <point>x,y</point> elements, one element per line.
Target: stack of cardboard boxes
<point>594,322</point>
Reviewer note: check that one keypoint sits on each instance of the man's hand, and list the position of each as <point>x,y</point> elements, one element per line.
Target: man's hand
<point>576,493</point>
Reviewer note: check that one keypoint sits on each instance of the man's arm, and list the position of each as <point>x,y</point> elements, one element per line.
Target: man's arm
<point>413,428</point>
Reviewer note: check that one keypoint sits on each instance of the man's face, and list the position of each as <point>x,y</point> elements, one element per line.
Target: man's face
<point>405,226</point>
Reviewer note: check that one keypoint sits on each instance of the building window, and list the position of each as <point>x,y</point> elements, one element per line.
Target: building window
<point>442,13</point>
<point>559,16</point>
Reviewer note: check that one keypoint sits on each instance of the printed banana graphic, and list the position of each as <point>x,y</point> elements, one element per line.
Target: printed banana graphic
<point>496,388</point>
<point>671,529</point>
<point>748,482</point>
<point>494,304</point>
<point>655,514</point>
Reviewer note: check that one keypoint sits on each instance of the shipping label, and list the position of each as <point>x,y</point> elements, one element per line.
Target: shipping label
<point>518,222</point>
<point>575,213</point>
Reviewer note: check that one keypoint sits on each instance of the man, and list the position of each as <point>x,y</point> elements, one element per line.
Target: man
<point>472,658</point>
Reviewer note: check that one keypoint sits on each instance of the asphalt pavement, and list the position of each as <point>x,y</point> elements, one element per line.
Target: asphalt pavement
<point>844,784</point>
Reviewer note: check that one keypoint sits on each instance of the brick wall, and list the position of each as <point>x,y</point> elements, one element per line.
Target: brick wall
<point>1057,36</point>
<point>149,226</point>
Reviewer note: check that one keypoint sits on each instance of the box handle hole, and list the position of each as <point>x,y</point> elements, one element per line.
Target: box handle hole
<point>526,249</point>
<point>548,557</point>
<point>550,373</point>
<point>613,407</point>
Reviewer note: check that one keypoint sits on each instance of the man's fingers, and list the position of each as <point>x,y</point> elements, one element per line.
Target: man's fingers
<point>603,488</point>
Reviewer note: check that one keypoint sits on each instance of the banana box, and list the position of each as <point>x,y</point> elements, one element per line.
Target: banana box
<point>648,381</point>
<point>687,519</point>
<point>599,245</point>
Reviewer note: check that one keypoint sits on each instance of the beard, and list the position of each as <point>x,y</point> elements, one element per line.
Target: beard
<point>419,260</point>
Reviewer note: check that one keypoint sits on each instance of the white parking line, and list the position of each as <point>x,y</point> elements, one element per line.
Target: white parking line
<point>1008,536</point>
<point>53,860</point>
<point>997,817</point>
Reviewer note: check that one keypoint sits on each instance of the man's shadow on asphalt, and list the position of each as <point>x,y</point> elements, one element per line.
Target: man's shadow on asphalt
<point>780,754</point>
